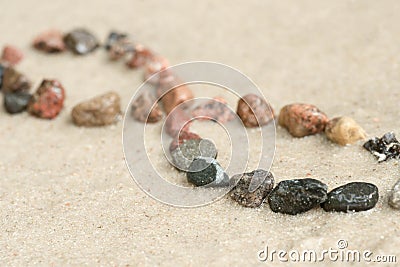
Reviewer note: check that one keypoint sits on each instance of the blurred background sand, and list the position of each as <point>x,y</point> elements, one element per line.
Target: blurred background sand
<point>66,196</point>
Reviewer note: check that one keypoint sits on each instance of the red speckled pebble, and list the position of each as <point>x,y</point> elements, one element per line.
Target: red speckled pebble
<point>11,55</point>
<point>48,100</point>
<point>140,57</point>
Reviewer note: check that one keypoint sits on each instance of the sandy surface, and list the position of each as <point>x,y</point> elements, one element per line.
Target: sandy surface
<point>66,197</point>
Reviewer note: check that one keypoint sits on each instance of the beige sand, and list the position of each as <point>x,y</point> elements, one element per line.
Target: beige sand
<point>66,197</point>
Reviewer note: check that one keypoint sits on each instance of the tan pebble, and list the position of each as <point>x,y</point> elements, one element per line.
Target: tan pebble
<point>302,119</point>
<point>344,130</point>
<point>394,196</point>
<point>98,111</point>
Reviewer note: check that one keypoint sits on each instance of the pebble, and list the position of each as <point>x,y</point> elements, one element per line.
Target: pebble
<point>48,100</point>
<point>141,108</point>
<point>140,57</point>
<point>175,97</point>
<point>297,196</point>
<point>101,110</point>
<point>355,196</point>
<point>244,193</point>
<point>14,81</point>
<point>188,150</point>
<point>176,122</point>
<point>344,130</point>
<point>16,102</point>
<point>50,41</point>
<point>81,41</point>
<point>254,111</point>
<point>384,148</point>
<point>153,66</point>
<point>113,38</point>
<point>206,171</point>
<point>2,69</point>
<point>302,119</point>
<point>394,196</point>
<point>11,55</point>
<point>215,109</point>
<point>183,135</point>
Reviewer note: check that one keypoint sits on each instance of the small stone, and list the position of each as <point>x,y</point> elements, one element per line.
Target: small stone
<point>384,148</point>
<point>356,196</point>
<point>183,135</point>
<point>244,193</point>
<point>302,119</point>
<point>344,130</point>
<point>215,109</point>
<point>120,49</point>
<point>81,41</point>
<point>16,102</point>
<point>48,100</point>
<point>113,38</point>
<point>11,55</point>
<point>145,108</point>
<point>50,41</point>
<point>99,111</point>
<point>153,66</point>
<point>14,81</point>
<point>177,121</point>
<point>297,196</point>
<point>254,111</point>
<point>206,171</point>
<point>2,69</point>
<point>175,97</point>
<point>188,150</point>
<point>394,196</point>
<point>140,57</point>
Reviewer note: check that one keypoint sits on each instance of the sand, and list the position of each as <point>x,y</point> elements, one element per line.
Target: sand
<point>66,196</point>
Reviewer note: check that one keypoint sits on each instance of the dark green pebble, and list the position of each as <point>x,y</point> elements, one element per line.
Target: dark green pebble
<point>206,171</point>
<point>16,102</point>
<point>356,196</point>
<point>297,196</point>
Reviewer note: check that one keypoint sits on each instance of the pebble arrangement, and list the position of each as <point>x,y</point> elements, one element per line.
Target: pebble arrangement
<point>191,153</point>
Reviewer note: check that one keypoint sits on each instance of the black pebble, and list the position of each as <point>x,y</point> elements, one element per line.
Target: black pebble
<point>356,196</point>
<point>113,38</point>
<point>384,148</point>
<point>206,171</point>
<point>16,102</point>
<point>81,41</point>
<point>1,75</point>
<point>297,196</point>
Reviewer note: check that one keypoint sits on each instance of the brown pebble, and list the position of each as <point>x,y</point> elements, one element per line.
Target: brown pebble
<point>254,111</point>
<point>177,121</point>
<point>50,41</point>
<point>11,55</point>
<point>302,119</point>
<point>99,111</point>
<point>140,57</point>
<point>344,130</point>
<point>14,81</point>
<point>173,97</point>
<point>215,109</point>
<point>142,108</point>
<point>121,48</point>
<point>153,66</point>
<point>81,41</point>
<point>244,193</point>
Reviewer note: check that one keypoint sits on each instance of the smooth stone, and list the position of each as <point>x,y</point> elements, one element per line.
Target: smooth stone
<point>297,196</point>
<point>48,100</point>
<point>207,171</point>
<point>302,119</point>
<point>146,109</point>
<point>2,68</point>
<point>355,196</point>
<point>188,150</point>
<point>183,135</point>
<point>394,196</point>
<point>384,148</point>
<point>14,81</point>
<point>245,191</point>
<point>113,38</point>
<point>16,102</point>
<point>50,41</point>
<point>215,109</point>
<point>344,130</point>
<point>81,41</point>
<point>101,110</point>
<point>11,55</point>
<point>254,111</point>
